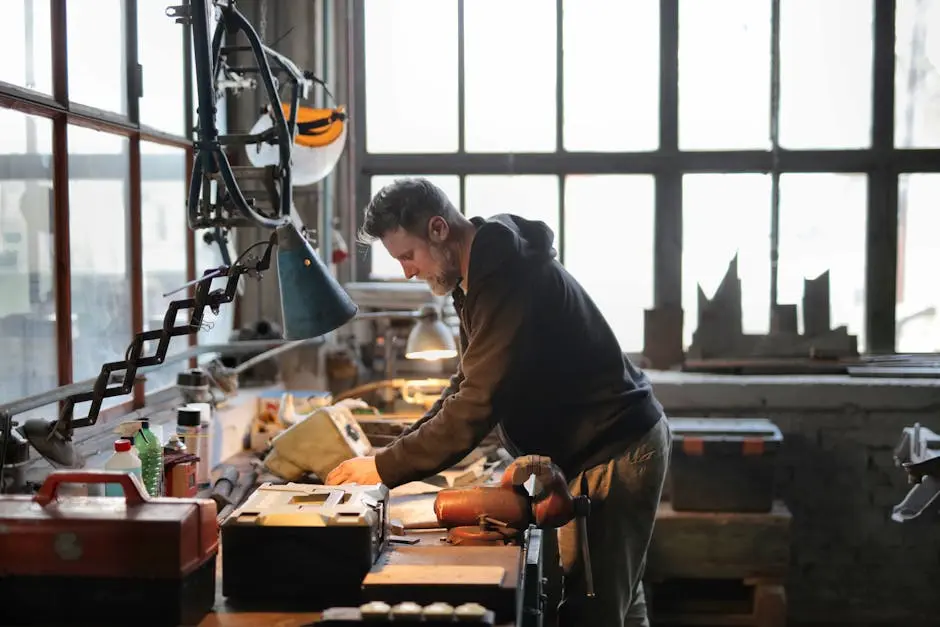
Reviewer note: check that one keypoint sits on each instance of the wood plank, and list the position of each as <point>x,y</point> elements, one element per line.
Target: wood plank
<point>438,574</point>
<point>426,553</point>
<point>251,619</point>
<point>723,545</point>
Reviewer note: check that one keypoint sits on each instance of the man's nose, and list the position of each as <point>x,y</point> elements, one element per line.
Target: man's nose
<point>409,271</point>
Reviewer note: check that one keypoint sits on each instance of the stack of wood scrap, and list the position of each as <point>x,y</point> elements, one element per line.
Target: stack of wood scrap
<point>910,366</point>
<point>722,568</point>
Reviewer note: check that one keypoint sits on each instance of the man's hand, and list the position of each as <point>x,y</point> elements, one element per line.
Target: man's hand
<point>359,470</point>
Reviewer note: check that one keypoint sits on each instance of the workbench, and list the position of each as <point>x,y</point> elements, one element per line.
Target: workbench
<point>227,614</point>
<point>752,549</point>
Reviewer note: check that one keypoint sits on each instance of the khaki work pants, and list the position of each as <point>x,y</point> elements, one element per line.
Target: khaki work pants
<point>625,494</point>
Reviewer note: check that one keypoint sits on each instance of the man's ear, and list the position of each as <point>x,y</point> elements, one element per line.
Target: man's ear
<point>438,230</point>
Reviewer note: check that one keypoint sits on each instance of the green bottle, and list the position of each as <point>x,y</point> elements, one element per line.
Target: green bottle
<point>150,451</point>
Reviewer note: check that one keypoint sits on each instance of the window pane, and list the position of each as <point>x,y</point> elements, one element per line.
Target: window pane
<point>164,232</point>
<point>97,75</point>
<point>160,51</point>
<point>509,63</point>
<point>724,74</point>
<point>724,215</point>
<point>822,227</point>
<point>384,266</point>
<point>825,73</point>
<point>917,78</point>
<point>217,329</point>
<point>28,341</point>
<point>621,296</point>
<point>602,114</point>
<point>918,310</point>
<point>26,33</point>
<point>101,291</point>
<point>531,197</point>
<point>411,76</point>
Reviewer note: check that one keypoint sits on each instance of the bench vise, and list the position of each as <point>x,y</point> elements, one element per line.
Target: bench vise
<point>533,492</point>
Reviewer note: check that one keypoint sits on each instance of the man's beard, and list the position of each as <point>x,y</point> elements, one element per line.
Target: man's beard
<point>444,282</point>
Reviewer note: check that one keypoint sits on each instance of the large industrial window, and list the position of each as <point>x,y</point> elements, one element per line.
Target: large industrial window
<point>94,165</point>
<point>660,140</point>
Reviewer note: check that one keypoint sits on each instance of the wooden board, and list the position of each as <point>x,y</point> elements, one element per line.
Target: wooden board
<point>432,552</point>
<point>451,574</point>
<point>415,511</point>
<point>439,574</point>
<point>708,545</point>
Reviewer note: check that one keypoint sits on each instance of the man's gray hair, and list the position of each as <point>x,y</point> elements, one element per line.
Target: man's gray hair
<point>407,203</point>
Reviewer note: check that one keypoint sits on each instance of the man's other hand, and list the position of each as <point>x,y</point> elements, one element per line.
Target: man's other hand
<point>359,470</point>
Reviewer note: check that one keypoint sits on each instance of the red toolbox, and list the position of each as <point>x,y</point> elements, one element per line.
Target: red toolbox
<point>98,560</point>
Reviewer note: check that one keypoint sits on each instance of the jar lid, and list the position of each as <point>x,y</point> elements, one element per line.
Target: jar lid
<point>188,417</point>
<point>194,377</point>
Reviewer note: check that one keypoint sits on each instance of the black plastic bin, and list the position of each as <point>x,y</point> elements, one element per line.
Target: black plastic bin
<point>723,464</point>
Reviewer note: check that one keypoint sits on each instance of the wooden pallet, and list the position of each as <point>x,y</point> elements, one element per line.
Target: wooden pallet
<point>721,568</point>
<point>704,602</point>
<point>720,545</point>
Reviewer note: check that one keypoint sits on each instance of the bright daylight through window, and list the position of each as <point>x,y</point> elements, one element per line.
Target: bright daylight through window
<point>512,110</point>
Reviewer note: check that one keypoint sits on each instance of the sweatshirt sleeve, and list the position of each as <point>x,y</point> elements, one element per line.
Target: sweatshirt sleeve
<point>465,417</point>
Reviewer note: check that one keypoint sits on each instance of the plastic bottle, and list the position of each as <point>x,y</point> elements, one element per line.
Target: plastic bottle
<point>150,451</point>
<point>124,459</point>
<point>213,434</point>
<point>194,432</point>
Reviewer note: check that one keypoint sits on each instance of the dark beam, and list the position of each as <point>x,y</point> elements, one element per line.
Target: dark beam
<point>667,221</point>
<point>362,255</point>
<point>649,162</point>
<point>132,75</point>
<point>59,29</point>
<point>461,81</point>
<point>669,76</point>
<point>882,232</point>
<point>135,236</point>
<point>60,174</point>
<point>62,250</point>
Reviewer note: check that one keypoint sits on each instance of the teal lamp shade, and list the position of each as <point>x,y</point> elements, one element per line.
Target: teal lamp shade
<point>312,301</point>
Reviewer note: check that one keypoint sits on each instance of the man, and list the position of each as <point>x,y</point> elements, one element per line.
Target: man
<point>542,366</point>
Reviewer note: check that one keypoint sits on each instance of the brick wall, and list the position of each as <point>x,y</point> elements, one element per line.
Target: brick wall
<point>850,564</point>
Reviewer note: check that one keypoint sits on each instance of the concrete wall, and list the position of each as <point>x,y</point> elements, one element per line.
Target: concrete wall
<point>850,564</point>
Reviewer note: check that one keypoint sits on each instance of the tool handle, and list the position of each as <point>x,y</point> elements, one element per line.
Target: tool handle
<point>583,507</point>
<point>133,491</point>
<point>224,486</point>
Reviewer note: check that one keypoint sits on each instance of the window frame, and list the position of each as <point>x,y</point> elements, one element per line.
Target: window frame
<point>62,112</point>
<point>882,163</point>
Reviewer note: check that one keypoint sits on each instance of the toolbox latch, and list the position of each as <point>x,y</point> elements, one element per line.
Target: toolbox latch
<point>693,446</point>
<point>752,446</point>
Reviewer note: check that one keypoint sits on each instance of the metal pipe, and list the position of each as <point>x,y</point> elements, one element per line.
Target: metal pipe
<point>270,354</point>
<point>389,315</point>
<point>61,393</point>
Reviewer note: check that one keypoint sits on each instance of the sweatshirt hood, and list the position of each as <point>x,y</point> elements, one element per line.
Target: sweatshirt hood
<point>506,237</point>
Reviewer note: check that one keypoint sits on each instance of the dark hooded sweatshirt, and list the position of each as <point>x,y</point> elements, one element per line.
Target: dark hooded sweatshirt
<point>538,361</point>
